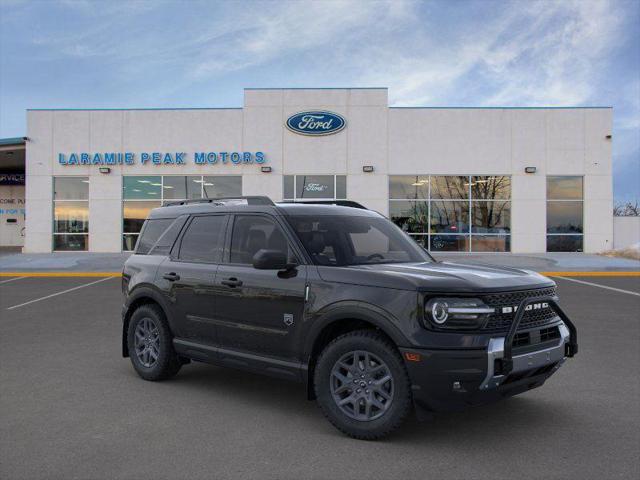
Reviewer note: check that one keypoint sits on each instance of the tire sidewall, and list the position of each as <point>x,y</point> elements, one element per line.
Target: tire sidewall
<point>401,395</point>
<point>166,351</point>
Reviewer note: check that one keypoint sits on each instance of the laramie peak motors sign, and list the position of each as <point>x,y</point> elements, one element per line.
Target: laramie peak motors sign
<point>315,123</point>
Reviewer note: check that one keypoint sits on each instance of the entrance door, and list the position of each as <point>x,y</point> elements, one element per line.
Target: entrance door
<point>258,311</point>
<point>12,209</point>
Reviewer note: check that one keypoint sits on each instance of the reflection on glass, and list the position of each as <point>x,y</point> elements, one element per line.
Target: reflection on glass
<point>142,187</point>
<point>70,242</point>
<point>129,242</point>
<point>564,217</point>
<point>222,186</point>
<point>181,187</point>
<point>409,186</point>
<point>564,188</point>
<point>491,243</point>
<point>71,217</point>
<point>450,217</point>
<point>422,240</point>
<point>491,217</point>
<point>315,186</point>
<point>492,187</point>
<point>134,215</point>
<point>564,243</point>
<point>71,188</point>
<point>341,187</point>
<point>412,217</point>
<point>288,186</point>
<point>450,187</point>
<point>450,243</point>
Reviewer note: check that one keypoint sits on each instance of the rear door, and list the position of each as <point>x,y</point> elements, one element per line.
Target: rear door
<point>188,277</point>
<point>259,311</point>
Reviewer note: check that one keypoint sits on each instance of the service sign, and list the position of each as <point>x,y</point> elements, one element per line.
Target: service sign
<point>315,123</point>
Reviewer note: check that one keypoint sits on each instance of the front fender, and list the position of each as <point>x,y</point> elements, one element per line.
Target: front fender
<point>355,310</point>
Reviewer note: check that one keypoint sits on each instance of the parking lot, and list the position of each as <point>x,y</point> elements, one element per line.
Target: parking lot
<point>72,407</point>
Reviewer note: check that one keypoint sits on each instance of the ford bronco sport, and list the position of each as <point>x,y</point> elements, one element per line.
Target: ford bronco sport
<point>339,298</point>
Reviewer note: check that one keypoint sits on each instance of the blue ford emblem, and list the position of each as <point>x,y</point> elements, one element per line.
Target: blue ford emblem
<point>316,123</point>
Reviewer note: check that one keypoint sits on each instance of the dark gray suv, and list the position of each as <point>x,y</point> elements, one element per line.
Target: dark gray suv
<point>337,297</point>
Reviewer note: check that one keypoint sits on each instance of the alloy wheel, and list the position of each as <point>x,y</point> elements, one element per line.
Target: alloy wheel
<point>362,385</point>
<point>147,342</point>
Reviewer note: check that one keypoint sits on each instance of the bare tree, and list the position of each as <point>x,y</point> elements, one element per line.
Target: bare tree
<point>628,209</point>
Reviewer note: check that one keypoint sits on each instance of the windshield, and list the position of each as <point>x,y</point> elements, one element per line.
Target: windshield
<point>355,240</point>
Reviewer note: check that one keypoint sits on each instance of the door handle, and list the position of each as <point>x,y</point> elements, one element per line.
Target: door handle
<point>232,282</point>
<point>172,276</point>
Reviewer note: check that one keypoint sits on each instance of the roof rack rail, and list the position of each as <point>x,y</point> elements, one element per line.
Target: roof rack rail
<point>340,203</point>
<point>250,200</point>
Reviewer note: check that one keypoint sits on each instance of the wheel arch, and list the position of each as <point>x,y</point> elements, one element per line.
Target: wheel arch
<point>142,296</point>
<point>343,319</point>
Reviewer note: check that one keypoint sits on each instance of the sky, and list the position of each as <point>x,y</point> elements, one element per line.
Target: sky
<point>136,54</point>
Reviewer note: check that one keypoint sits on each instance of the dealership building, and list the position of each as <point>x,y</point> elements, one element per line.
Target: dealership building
<point>456,179</point>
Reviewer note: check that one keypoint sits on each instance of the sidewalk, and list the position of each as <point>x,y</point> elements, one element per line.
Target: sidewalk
<point>113,262</point>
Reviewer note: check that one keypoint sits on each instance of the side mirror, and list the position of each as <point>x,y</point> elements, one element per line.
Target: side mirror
<point>270,260</point>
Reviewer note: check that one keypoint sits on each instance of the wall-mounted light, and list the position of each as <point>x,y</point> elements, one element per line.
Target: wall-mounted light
<point>367,168</point>
<point>104,170</point>
<point>265,169</point>
<point>530,169</point>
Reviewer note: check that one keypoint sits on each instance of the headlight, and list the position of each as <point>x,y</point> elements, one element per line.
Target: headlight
<point>457,313</point>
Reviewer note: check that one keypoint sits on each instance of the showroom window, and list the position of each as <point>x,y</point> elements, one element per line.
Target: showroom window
<point>70,213</point>
<point>453,213</point>
<point>141,194</point>
<point>315,187</point>
<point>564,214</point>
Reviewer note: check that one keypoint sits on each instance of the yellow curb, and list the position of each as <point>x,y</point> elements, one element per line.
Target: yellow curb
<point>60,274</point>
<point>591,274</point>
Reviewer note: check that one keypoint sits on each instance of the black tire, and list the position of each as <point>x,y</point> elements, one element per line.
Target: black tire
<point>167,363</point>
<point>377,345</point>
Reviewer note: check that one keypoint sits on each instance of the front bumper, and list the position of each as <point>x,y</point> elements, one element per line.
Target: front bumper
<point>445,380</point>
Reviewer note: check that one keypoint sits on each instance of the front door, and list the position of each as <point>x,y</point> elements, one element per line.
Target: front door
<point>259,311</point>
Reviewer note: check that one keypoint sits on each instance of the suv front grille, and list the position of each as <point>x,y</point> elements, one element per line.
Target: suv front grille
<point>500,321</point>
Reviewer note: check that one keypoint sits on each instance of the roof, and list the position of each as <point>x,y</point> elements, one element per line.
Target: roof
<point>13,141</point>
<point>301,208</point>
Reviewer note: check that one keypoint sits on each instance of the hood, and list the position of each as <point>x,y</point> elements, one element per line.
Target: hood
<point>437,277</point>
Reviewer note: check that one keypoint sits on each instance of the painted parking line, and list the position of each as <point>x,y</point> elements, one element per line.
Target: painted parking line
<point>12,280</point>
<point>58,293</point>
<point>61,274</point>
<point>607,287</point>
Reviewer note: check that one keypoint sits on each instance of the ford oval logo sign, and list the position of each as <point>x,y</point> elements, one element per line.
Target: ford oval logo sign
<point>316,123</point>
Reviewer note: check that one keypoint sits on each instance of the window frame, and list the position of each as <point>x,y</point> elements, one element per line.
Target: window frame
<point>322,199</point>
<point>426,237</point>
<point>161,198</point>
<point>549,200</point>
<point>292,243</point>
<point>55,234</point>
<point>174,256</point>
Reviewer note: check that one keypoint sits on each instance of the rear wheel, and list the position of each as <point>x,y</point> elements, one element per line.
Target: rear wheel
<point>362,385</point>
<point>150,344</point>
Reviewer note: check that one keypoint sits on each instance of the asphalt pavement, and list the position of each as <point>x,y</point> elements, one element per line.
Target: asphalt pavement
<point>72,407</point>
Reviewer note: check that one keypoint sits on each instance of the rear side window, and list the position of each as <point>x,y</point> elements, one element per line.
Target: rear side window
<point>167,239</point>
<point>151,233</point>
<point>203,241</point>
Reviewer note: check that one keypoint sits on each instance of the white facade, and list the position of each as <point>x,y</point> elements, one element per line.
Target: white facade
<point>395,141</point>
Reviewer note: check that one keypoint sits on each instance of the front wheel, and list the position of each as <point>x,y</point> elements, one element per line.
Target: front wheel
<point>362,385</point>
